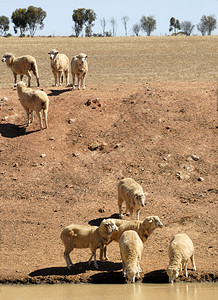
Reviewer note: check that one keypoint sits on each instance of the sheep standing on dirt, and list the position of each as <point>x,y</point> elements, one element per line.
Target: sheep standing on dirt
<point>31,101</point>
<point>143,228</point>
<point>59,66</point>
<point>132,193</point>
<point>131,247</point>
<point>81,236</point>
<point>180,250</point>
<point>21,66</point>
<point>79,69</point>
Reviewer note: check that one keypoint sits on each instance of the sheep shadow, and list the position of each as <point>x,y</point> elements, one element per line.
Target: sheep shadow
<point>97,222</point>
<point>108,278</point>
<point>9,130</point>
<point>78,268</point>
<point>59,92</point>
<point>157,276</point>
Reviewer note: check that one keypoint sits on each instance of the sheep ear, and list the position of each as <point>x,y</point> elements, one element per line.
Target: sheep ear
<point>150,221</point>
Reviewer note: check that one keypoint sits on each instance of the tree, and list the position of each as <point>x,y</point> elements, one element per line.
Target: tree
<point>81,17</point>
<point>187,27</point>
<point>114,25</point>
<point>124,20</point>
<point>19,19</point>
<point>90,17</point>
<point>35,17</point>
<point>207,24</point>
<point>103,25</point>
<point>4,25</point>
<point>136,28</point>
<point>174,24</point>
<point>148,24</point>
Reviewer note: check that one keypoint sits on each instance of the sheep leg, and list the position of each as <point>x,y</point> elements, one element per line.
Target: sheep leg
<point>37,77</point>
<point>29,77</point>
<point>67,78</point>
<point>185,269</point>
<point>59,78</point>
<point>21,77</point>
<point>137,214</point>
<point>67,259</point>
<point>73,83</point>
<point>39,115</point>
<point>15,78</point>
<point>103,253</point>
<point>56,78</point>
<point>78,85</point>
<point>83,82</point>
<point>32,116</point>
<point>28,115</point>
<point>120,202</point>
<point>95,262</point>
<point>45,112</point>
<point>193,262</point>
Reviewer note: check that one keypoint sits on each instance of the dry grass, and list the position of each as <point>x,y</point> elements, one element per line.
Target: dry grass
<point>125,59</point>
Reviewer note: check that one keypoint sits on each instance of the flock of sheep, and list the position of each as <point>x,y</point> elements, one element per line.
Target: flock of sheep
<point>35,100</point>
<point>129,234</point>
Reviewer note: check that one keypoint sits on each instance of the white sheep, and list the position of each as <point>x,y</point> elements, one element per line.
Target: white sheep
<point>81,236</point>
<point>131,247</point>
<point>132,193</point>
<point>33,100</point>
<point>180,250</point>
<point>21,66</point>
<point>59,66</point>
<point>79,69</point>
<point>143,228</point>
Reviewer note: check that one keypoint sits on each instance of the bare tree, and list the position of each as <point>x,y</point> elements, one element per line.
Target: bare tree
<point>124,20</point>
<point>103,25</point>
<point>136,28</point>
<point>114,25</point>
<point>187,27</point>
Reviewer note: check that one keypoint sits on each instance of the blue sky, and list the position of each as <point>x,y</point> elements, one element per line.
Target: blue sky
<point>59,13</point>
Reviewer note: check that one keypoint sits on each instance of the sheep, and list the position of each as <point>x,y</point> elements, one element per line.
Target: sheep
<point>143,228</point>
<point>59,65</point>
<point>132,193</point>
<point>180,250</point>
<point>21,66</point>
<point>31,101</point>
<point>79,69</point>
<point>81,236</point>
<point>131,247</point>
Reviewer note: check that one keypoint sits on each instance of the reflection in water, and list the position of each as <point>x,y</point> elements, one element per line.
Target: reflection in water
<point>139,291</point>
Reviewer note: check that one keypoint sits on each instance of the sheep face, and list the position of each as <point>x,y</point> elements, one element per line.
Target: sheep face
<point>53,54</point>
<point>81,60</point>
<point>139,200</point>
<point>7,57</point>
<point>153,221</point>
<point>110,226</point>
<point>130,275</point>
<point>173,274</point>
<point>21,86</point>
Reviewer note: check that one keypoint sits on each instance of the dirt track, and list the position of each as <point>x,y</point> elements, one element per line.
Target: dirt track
<point>161,134</point>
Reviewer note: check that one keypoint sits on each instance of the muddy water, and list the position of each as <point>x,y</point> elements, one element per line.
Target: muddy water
<point>183,291</point>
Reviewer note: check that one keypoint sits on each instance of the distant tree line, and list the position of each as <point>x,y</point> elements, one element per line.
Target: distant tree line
<point>31,19</point>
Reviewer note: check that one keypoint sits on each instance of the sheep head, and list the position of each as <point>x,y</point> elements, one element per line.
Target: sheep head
<point>53,53</point>
<point>8,58</point>
<point>172,273</point>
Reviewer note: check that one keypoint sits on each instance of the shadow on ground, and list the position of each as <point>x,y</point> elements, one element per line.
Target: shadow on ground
<point>78,268</point>
<point>59,92</point>
<point>97,222</point>
<point>9,130</point>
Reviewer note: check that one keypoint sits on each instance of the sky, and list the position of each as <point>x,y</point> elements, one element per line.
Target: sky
<point>59,13</point>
